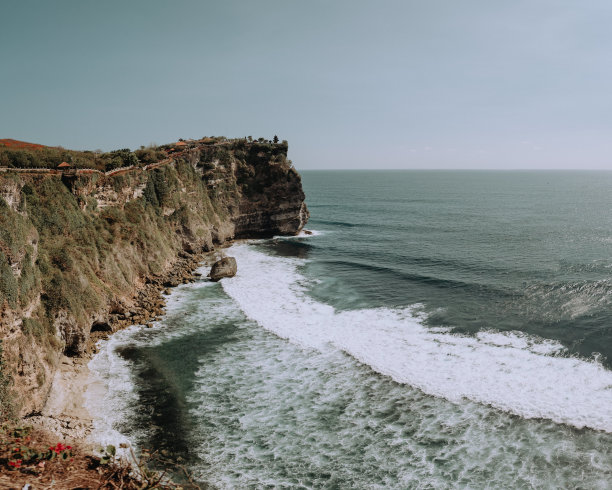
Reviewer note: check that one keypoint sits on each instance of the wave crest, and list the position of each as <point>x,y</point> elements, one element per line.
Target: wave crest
<point>518,373</point>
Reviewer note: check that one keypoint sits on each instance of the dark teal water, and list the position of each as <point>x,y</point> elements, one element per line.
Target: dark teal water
<point>438,330</point>
<point>526,251</point>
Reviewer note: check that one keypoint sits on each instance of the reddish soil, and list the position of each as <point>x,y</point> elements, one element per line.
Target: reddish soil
<point>20,145</point>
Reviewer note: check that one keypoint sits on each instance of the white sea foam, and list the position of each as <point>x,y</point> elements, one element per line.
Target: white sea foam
<point>111,392</point>
<point>273,414</point>
<point>301,234</point>
<point>514,372</point>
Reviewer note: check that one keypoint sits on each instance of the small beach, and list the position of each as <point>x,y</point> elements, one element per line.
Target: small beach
<point>72,411</point>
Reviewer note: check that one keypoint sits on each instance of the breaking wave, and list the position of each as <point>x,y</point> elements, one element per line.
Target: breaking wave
<point>515,372</point>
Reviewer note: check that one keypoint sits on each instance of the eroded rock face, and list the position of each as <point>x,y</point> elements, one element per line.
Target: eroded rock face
<point>226,267</point>
<point>72,334</point>
<point>261,189</point>
<point>120,233</point>
<point>278,210</point>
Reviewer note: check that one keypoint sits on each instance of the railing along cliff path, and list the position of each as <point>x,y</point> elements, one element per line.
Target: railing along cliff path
<point>87,171</point>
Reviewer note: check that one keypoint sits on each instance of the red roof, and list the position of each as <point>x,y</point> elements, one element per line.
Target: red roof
<point>63,165</point>
<point>180,143</point>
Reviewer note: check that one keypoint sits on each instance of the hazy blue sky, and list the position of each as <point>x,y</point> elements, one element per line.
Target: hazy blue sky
<point>350,84</point>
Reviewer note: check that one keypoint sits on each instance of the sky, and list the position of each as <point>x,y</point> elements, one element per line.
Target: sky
<point>383,84</point>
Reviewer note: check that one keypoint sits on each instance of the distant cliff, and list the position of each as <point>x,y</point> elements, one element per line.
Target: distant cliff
<point>77,246</point>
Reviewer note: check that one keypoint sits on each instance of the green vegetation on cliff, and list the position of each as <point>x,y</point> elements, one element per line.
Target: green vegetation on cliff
<point>48,157</point>
<point>75,247</point>
<point>15,154</point>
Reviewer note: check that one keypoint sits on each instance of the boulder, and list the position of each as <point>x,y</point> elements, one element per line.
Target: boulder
<point>226,267</point>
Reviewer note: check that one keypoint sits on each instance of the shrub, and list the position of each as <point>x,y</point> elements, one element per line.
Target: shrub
<point>149,155</point>
<point>113,164</point>
<point>223,156</point>
<point>61,258</point>
<point>29,279</point>
<point>7,407</point>
<point>8,284</point>
<point>31,326</point>
<point>150,195</point>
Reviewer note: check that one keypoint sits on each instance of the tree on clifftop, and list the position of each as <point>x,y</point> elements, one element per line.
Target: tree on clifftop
<point>275,139</point>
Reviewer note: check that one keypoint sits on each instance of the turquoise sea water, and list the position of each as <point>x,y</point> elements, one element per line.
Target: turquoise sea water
<point>437,330</point>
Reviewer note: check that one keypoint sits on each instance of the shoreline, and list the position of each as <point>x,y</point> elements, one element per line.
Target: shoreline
<point>65,414</point>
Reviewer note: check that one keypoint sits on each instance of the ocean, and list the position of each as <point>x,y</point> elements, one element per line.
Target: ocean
<point>438,329</point>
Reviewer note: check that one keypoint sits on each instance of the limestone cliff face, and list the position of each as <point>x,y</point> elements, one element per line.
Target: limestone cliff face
<point>75,249</point>
<point>270,196</point>
<point>277,210</point>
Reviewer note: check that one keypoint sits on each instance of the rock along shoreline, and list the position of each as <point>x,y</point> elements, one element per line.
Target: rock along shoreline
<point>64,415</point>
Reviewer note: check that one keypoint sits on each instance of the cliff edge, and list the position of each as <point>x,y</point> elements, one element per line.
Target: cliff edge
<point>78,245</point>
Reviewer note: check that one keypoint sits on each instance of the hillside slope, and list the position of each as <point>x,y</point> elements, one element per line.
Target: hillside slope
<point>77,247</point>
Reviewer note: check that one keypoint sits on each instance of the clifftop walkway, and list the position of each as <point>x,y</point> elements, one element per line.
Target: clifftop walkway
<point>88,171</point>
<point>185,145</point>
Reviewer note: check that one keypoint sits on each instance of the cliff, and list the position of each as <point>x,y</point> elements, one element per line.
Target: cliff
<point>77,247</point>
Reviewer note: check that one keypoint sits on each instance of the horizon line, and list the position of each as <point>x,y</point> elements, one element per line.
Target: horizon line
<point>467,169</point>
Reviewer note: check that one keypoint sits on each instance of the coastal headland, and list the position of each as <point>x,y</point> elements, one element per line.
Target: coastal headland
<point>87,251</point>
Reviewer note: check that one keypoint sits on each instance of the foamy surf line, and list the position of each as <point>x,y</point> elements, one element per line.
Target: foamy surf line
<point>514,372</point>
<point>111,392</point>
<point>301,234</point>
<point>111,395</point>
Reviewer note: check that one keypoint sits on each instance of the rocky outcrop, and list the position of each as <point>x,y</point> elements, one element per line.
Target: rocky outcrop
<point>226,267</point>
<point>282,212</point>
<point>84,254</point>
<point>273,204</point>
<point>270,196</point>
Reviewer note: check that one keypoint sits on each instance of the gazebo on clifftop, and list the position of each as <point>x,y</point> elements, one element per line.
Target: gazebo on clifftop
<point>66,169</point>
